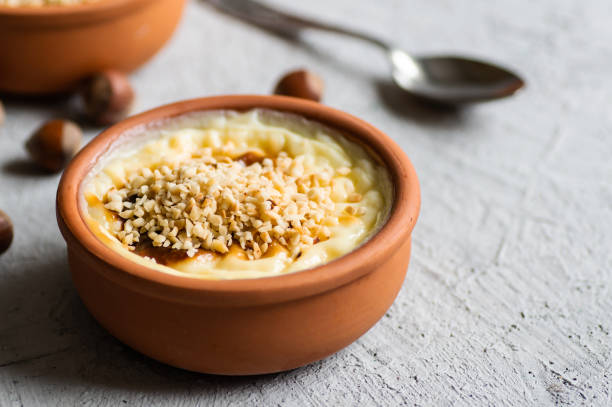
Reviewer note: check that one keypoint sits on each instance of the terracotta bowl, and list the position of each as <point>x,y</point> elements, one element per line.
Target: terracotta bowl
<point>50,49</point>
<point>248,326</point>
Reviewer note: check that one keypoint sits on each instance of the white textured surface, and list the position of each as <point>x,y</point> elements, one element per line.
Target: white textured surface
<point>508,299</point>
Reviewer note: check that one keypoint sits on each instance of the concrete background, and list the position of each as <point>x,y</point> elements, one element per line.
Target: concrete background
<point>508,297</point>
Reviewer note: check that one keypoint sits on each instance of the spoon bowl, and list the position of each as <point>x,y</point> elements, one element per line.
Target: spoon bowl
<point>452,79</point>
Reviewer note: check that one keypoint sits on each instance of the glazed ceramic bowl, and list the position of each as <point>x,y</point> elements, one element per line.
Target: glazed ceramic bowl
<point>50,49</point>
<point>247,326</point>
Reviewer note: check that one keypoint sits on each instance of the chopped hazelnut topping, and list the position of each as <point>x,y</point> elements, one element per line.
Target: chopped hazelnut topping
<point>214,202</point>
<point>354,197</point>
<point>343,170</point>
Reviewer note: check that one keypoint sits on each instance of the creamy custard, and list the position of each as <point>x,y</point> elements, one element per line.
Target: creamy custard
<point>228,195</point>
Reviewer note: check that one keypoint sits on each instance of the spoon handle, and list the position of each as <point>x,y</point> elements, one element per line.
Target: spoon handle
<point>263,15</point>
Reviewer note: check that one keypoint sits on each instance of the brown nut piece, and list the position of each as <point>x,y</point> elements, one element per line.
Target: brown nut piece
<point>302,84</point>
<point>2,114</point>
<point>54,144</point>
<point>6,232</point>
<point>107,97</point>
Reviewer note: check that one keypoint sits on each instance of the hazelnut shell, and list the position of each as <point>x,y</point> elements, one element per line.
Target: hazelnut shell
<point>54,144</point>
<point>302,84</point>
<point>6,232</point>
<point>107,97</point>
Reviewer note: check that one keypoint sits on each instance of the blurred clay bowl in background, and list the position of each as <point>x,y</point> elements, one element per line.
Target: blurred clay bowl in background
<point>50,49</point>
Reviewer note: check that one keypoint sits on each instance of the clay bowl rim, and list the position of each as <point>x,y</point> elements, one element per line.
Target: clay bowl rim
<point>188,289</point>
<point>50,16</point>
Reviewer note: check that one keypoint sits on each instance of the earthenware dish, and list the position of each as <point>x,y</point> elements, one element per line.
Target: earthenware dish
<point>248,326</point>
<point>50,49</point>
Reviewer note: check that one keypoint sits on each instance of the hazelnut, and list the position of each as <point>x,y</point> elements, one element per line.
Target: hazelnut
<point>107,97</point>
<point>2,115</point>
<point>54,144</point>
<point>302,84</point>
<point>6,232</point>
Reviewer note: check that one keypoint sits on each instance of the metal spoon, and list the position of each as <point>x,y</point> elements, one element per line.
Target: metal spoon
<point>445,79</point>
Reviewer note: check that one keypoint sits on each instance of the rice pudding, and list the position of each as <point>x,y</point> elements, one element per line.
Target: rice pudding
<point>225,195</point>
